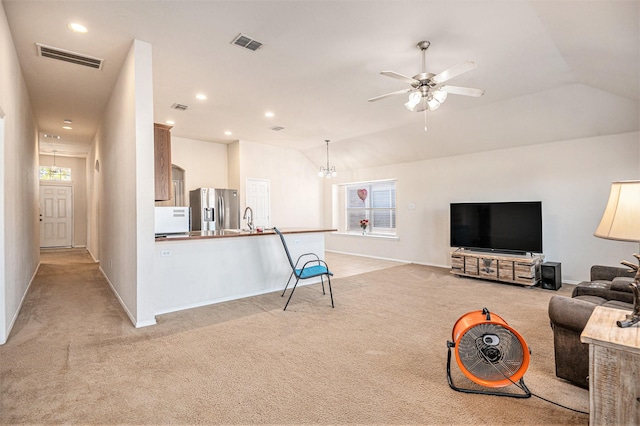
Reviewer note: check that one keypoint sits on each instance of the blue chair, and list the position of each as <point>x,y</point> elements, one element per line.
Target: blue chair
<point>315,267</point>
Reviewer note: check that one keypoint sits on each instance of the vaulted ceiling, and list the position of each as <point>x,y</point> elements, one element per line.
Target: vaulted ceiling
<point>552,70</point>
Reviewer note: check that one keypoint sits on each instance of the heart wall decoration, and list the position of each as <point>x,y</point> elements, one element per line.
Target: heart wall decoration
<point>362,194</point>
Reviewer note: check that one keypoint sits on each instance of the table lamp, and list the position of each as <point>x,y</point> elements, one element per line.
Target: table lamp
<point>621,221</point>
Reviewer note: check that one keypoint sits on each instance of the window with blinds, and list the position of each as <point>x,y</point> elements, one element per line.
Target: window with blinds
<point>372,201</point>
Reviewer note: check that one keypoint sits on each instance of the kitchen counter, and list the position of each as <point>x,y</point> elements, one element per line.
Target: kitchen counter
<point>207,267</point>
<point>224,233</point>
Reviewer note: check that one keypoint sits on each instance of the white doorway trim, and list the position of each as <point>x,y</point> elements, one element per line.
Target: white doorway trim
<point>4,327</point>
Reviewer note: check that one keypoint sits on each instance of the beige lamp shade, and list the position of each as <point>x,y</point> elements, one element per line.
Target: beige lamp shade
<point>621,218</point>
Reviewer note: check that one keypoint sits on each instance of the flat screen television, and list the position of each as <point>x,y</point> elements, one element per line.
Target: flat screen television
<point>509,227</point>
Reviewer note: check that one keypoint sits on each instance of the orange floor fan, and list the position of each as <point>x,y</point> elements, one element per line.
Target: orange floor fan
<point>489,353</point>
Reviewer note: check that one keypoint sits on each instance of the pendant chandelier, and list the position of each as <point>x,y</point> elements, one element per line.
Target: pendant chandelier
<point>327,172</point>
<point>54,168</point>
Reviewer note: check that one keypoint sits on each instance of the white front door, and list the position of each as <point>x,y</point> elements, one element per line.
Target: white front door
<point>258,200</point>
<point>56,216</point>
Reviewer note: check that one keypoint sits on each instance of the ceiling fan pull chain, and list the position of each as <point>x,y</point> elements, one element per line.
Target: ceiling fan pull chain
<point>425,120</point>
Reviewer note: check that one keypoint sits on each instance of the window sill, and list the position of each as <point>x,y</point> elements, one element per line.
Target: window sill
<point>379,236</point>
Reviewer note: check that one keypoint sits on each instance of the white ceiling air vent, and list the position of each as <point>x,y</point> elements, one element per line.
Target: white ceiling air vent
<point>247,42</point>
<point>180,107</point>
<point>69,56</point>
<point>276,128</point>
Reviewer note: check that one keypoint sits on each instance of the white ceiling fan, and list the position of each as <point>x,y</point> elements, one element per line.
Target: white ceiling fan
<point>428,91</point>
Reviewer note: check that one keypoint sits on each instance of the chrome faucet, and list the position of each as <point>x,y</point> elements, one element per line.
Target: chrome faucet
<point>250,220</point>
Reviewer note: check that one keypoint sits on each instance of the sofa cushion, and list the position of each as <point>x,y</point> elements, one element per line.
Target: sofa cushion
<point>621,284</point>
<point>618,305</point>
<point>618,289</point>
<point>592,288</point>
<point>596,300</point>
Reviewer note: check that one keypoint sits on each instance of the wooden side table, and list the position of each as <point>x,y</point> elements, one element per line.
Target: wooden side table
<point>614,368</point>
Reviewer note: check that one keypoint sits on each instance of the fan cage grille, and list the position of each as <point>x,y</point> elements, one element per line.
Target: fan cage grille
<point>489,352</point>
<point>492,362</point>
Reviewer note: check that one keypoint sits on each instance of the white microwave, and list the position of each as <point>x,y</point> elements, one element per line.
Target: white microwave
<point>172,220</point>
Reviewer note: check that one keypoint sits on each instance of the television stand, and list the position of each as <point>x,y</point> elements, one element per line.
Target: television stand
<point>509,268</point>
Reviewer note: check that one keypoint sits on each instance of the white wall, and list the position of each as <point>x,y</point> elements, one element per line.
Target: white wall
<point>93,198</point>
<point>124,188</point>
<point>296,190</point>
<point>78,182</point>
<point>205,163</point>
<point>19,231</point>
<point>571,178</point>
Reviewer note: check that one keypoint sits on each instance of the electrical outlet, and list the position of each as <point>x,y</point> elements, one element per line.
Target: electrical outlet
<point>165,253</point>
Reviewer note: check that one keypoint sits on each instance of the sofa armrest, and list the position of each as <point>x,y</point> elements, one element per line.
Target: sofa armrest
<point>608,273</point>
<point>570,313</point>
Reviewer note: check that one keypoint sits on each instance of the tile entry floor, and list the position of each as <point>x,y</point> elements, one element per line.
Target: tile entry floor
<point>346,265</point>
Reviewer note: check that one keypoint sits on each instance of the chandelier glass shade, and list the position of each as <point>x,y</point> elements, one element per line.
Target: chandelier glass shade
<point>328,171</point>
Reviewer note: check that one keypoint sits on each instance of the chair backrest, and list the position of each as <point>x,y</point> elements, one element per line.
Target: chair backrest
<point>286,249</point>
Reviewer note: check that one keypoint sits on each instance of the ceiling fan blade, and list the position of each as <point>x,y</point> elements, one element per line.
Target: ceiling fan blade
<point>393,74</point>
<point>466,91</point>
<point>453,72</point>
<point>399,92</point>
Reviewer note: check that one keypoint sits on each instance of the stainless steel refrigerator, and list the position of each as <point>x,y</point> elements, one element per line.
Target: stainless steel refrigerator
<point>213,209</point>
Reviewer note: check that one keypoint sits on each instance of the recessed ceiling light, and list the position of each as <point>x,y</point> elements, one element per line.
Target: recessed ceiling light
<point>269,114</point>
<point>67,121</point>
<point>77,28</point>
<point>67,127</point>
<point>201,96</point>
<point>228,133</point>
<point>170,122</point>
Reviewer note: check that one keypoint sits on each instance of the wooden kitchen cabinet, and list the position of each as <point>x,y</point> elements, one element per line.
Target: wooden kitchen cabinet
<point>162,161</point>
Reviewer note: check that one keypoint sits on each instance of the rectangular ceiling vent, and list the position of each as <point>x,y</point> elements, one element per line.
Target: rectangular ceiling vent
<point>247,42</point>
<point>69,56</point>
<point>180,107</point>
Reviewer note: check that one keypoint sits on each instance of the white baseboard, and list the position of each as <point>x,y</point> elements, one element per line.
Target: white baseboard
<point>390,259</point>
<point>93,257</point>
<point>132,318</point>
<point>24,296</point>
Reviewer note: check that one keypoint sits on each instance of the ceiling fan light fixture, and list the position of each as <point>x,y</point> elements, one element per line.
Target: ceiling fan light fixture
<point>414,100</point>
<point>439,95</point>
<point>433,104</point>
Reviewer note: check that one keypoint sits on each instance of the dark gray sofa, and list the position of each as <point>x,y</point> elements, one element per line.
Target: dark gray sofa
<point>609,286</point>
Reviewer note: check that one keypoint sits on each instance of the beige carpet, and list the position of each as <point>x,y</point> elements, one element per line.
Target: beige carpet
<point>379,357</point>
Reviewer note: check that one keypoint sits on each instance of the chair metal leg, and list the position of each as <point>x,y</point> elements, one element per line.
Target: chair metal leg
<point>285,287</point>
<point>322,281</point>
<point>330,292</point>
<point>292,290</point>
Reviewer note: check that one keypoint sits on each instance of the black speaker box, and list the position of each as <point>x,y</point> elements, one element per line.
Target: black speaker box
<point>551,275</point>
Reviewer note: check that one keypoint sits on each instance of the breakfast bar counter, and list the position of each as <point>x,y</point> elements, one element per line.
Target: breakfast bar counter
<point>207,267</point>
<point>230,233</point>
